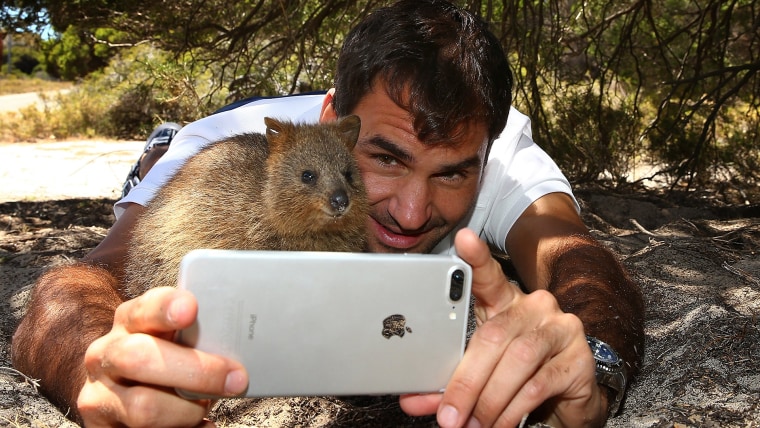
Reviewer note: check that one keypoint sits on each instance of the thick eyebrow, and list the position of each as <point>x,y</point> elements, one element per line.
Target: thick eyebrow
<point>395,150</point>
<point>406,157</point>
<point>471,162</point>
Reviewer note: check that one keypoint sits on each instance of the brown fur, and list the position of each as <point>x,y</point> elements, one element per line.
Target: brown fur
<point>253,192</point>
<point>71,306</point>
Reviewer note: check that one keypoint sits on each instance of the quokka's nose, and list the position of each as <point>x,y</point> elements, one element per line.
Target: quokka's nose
<point>339,200</point>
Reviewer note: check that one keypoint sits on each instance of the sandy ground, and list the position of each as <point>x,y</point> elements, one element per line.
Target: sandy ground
<point>65,169</point>
<point>700,275</point>
<point>698,267</point>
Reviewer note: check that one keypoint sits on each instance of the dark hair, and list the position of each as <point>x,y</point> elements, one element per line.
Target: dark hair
<point>439,62</point>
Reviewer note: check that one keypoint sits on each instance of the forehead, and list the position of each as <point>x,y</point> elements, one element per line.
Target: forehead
<point>382,117</point>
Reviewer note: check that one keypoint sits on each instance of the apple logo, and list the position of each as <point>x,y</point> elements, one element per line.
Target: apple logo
<point>395,325</point>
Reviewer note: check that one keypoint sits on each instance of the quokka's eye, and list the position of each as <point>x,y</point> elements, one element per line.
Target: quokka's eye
<point>309,177</point>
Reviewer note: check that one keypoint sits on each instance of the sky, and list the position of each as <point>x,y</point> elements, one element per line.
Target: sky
<point>45,31</point>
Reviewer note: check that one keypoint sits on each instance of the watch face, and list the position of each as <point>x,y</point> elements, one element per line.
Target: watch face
<point>603,352</point>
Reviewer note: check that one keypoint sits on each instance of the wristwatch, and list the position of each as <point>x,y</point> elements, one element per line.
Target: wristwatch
<point>609,371</point>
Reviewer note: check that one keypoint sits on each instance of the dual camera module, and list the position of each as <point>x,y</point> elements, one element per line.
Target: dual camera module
<point>456,287</point>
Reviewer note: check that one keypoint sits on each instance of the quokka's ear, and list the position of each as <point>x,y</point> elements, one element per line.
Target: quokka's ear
<point>277,131</point>
<point>349,126</point>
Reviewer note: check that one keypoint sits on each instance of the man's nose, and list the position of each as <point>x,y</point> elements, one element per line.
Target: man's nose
<point>411,206</point>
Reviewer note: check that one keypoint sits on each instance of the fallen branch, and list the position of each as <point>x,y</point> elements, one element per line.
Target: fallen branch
<point>643,230</point>
<point>741,273</point>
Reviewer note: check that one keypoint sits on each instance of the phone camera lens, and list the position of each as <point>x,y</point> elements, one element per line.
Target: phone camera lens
<point>457,285</point>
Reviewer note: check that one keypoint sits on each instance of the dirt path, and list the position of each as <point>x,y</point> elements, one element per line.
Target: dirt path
<point>15,102</point>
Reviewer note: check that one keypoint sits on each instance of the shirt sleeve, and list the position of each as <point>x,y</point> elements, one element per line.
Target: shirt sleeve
<point>518,173</point>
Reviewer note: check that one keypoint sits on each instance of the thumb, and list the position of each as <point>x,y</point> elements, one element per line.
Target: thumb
<point>494,293</point>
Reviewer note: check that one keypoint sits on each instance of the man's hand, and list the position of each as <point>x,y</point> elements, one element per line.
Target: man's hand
<point>525,354</point>
<point>132,371</point>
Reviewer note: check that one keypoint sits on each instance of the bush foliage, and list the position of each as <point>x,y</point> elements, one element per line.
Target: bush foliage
<point>608,84</point>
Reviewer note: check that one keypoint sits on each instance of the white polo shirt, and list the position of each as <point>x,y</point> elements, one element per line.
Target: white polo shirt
<point>517,173</point>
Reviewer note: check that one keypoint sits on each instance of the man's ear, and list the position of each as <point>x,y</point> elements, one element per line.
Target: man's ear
<point>328,112</point>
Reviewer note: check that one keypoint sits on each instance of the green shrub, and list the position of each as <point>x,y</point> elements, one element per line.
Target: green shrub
<point>140,88</point>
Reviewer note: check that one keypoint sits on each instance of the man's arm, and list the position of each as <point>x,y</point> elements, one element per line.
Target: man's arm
<point>552,250</point>
<point>70,307</point>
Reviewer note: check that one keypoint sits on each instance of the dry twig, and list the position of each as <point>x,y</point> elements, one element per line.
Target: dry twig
<point>35,383</point>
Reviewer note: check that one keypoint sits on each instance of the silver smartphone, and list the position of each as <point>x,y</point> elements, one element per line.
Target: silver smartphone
<point>323,323</point>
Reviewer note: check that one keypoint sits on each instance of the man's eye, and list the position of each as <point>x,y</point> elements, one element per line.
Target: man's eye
<point>386,159</point>
<point>452,177</point>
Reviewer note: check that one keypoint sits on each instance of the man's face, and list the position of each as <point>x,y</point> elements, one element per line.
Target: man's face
<point>418,193</point>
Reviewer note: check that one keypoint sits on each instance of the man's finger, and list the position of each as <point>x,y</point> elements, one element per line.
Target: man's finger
<point>484,353</point>
<point>420,404</point>
<point>147,359</point>
<point>137,406</point>
<point>160,311</point>
<point>489,285</point>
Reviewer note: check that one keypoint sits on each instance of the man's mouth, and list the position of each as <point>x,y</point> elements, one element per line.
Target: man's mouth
<point>391,239</point>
